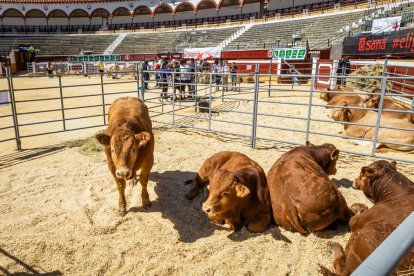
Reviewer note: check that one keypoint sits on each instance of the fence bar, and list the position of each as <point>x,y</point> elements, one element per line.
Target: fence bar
<point>255,105</point>
<point>14,109</point>
<point>173,96</point>
<point>61,102</point>
<point>310,108</point>
<point>380,107</point>
<point>103,99</point>
<point>388,255</point>
<point>210,101</point>
<point>137,78</point>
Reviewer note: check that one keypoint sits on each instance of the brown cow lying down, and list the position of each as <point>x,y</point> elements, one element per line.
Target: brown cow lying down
<point>393,196</point>
<point>337,99</point>
<point>303,197</point>
<point>129,145</point>
<point>238,193</point>
<point>369,117</point>
<point>390,104</point>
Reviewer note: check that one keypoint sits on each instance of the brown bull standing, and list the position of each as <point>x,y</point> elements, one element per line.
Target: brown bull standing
<point>303,197</point>
<point>238,193</point>
<point>129,145</point>
<point>393,196</point>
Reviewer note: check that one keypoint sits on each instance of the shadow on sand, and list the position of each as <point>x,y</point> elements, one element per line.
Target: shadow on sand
<point>29,270</point>
<point>189,220</point>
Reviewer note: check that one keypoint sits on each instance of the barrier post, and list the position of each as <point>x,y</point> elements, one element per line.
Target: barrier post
<point>308,119</point>
<point>173,95</point>
<point>380,107</point>
<point>61,102</point>
<point>137,78</point>
<point>103,98</point>
<point>141,77</point>
<point>270,76</point>
<point>195,89</point>
<point>13,108</point>
<point>210,101</point>
<point>255,104</point>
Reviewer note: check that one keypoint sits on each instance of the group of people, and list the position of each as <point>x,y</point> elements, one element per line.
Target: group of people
<point>181,76</point>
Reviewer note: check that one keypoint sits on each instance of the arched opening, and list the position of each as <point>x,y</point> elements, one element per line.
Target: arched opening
<point>206,8</point>
<point>142,14</point>
<point>13,17</point>
<point>36,17</point>
<point>121,15</point>
<point>230,7</point>
<point>163,12</point>
<point>100,17</point>
<point>79,17</point>
<point>58,17</point>
<point>184,11</point>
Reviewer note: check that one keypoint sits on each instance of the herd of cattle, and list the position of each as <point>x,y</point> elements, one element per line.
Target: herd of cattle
<point>297,193</point>
<point>361,123</point>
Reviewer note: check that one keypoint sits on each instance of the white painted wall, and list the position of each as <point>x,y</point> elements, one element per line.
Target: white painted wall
<point>58,21</point>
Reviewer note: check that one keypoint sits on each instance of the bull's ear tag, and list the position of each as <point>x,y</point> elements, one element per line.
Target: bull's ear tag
<point>103,139</point>
<point>143,138</point>
<point>241,190</point>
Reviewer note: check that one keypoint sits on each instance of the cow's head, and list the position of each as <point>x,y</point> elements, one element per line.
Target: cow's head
<point>340,113</point>
<point>226,191</point>
<point>370,173</point>
<point>373,102</point>
<point>123,147</point>
<point>326,156</point>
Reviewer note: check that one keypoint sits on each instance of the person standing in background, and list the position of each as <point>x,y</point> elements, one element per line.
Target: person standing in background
<point>49,69</point>
<point>146,74</point>
<point>101,66</point>
<point>226,71</point>
<point>233,76</point>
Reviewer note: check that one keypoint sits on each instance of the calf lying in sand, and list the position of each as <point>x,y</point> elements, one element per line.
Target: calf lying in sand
<point>393,196</point>
<point>303,197</point>
<point>369,117</point>
<point>129,145</point>
<point>337,99</point>
<point>238,193</point>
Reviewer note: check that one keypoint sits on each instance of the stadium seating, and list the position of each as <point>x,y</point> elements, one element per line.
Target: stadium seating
<point>59,45</point>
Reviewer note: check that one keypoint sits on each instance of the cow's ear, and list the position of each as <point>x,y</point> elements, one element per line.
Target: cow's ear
<point>335,154</point>
<point>393,164</point>
<point>103,139</point>
<point>309,144</point>
<point>367,171</point>
<point>143,138</point>
<point>241,190</point>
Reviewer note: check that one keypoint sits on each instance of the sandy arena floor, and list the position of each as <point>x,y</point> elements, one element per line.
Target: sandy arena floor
<point>58,205</point>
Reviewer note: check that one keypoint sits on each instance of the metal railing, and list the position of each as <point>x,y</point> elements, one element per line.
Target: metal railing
<point>262,105</point>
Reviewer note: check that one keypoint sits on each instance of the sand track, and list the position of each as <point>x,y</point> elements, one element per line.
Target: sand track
<point>59,215</point>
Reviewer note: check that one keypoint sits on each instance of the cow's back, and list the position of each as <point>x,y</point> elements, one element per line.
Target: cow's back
<point>131,110</point>
<point>370,228</point>
<point>299,187</point>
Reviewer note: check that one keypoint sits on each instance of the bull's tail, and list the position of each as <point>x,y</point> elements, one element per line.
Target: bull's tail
<point>293,217</point>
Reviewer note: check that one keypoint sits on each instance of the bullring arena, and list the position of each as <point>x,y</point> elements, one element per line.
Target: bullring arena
<point>71,225</point>
<point>58,200</point>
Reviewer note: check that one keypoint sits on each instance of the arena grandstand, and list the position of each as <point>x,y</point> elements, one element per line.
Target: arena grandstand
<point>319,92</point>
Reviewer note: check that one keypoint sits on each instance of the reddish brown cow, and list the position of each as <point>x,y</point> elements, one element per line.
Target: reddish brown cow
<point>238,193</point>
<point>303,197</point>
<point>393,196</point>
<point>129,145</point>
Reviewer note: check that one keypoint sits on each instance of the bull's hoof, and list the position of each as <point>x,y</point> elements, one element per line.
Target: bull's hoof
<point>122,213</point>
<point>146,204</point>
<point>191,194</point>
<point>358,208</point>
